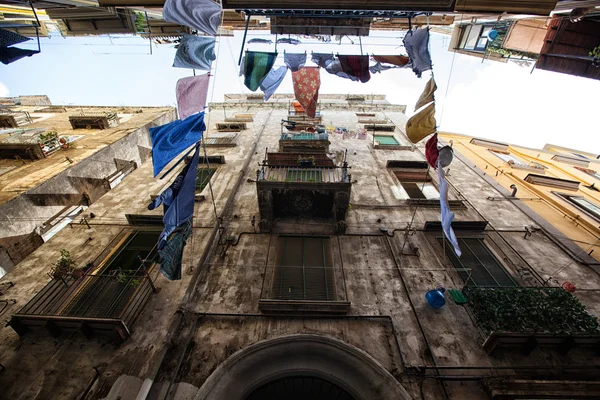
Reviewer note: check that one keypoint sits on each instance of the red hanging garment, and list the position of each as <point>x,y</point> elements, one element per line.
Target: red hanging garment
<point>306,88</point>
<point>431,151</point>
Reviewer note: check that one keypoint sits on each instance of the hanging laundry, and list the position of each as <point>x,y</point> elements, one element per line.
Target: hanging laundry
<point>11,54</point>
<point>335,68</point>
<point>9,38</point>
<point>357,66</point>
<point>272,81</point>
<point>242,66</point>
<point>257,65</point>
<point>377,68</point>
<point>195,52</point>
<point>171,139</point>
<point>427,95</point>
<point>294,61</point>
<point>178,206</point>
<point>171,255</point>
<point>399,61</point>
<point>203,15</point>
<point>362,134</point>
<point>258,40</point>
<point>422,124</point>
<point>306,88</point>
<point>191,94</point>
<point>297,106</point>
<point>446,215</point>
<point>431,151</point>
<point>416,44</point>
<point>295,42</point>
<point>322,59</point>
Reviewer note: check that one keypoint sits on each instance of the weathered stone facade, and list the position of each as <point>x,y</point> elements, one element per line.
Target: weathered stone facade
<point>217,333</point>
<point>35,192</point>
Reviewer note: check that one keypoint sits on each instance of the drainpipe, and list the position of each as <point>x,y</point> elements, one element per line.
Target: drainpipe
<point>176,324</point>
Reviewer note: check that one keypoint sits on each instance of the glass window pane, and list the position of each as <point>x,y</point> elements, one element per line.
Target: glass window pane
<point>490,263</point>
<point>587,205</point>
<point>413,190</point>
<point>472,38</point>
<point>481,43</point>
<point>430,191</point>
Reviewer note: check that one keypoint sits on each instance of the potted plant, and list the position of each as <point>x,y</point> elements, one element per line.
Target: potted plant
<point>306,161</point>
<point>63,266</point>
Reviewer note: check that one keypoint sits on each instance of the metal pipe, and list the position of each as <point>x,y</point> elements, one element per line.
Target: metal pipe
<point>175,325</point>
<point>514,190</point>
<point>248,15</point>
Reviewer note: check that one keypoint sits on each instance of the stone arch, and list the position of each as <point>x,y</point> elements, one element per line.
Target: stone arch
<point>310,355</point>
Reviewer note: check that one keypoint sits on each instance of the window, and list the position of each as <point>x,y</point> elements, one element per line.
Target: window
<point>477,265</point>
<point>204,175</point>
<point>571,160</point>
<point>510,159</point>
<point>475,37</point>
<point>94,120</point>
<point>590,172</point>
<point>489,144</point>
<point>582,203</point>
<point>552,182</point>
<point>304,269</point>
<point>381,128</point>
<point>386,140</point>
<point>416,184</point>
<point>231,126</point>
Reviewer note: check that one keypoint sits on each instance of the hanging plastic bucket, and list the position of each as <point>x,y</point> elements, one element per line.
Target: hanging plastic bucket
<point>435,298</point>
<point>493,34</point>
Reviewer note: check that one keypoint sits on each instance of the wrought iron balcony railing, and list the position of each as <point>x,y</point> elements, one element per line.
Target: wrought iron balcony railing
<point>95,304</point>
<point>304,136</point>
<point>306,175</point>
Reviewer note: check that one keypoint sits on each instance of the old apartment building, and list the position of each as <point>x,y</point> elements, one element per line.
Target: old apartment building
<point>57,160</point>
<point>305,277</point>
<point>557,186</point>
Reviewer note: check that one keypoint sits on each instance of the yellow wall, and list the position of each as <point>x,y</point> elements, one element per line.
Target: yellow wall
<point>574,223</point>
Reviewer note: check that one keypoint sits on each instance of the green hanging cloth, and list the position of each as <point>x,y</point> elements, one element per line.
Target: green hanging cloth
<point>257,65</point>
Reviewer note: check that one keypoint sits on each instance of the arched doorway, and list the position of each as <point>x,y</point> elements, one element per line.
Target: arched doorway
<point>299,388</point>
<point>270,365</point>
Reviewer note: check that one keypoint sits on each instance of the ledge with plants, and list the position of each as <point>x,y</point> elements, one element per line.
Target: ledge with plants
<point>532,317</point>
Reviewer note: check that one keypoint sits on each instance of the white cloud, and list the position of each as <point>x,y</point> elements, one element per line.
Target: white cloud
<point>4,92</point>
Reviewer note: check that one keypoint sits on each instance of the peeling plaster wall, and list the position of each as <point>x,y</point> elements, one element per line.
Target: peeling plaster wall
<point>378,275</point>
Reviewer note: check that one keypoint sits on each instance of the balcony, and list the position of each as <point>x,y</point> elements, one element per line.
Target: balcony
<point>96,305</point>
<point>526,318</point>
<point>94,120</point>
<point>302,186</point>
<point>304,143</point>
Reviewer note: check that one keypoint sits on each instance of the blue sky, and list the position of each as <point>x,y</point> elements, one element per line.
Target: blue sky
<point>499,101</point>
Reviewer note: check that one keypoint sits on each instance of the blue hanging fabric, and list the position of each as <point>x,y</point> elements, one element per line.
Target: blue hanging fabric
<point>195,52</point>
<point>446,215</point>
<point>178,199</point>
<point>272,81</point>
<point>169,140</point>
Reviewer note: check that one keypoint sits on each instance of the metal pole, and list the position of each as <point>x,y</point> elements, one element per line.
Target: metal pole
<point>244,39</point>
<point>149,32</point>
<point>360,42</point>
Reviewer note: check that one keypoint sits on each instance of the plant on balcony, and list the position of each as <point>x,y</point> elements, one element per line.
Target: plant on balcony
<point>48,136</point>
<point>530,310</point>
<point>63,266</point>
<point>306,161</point>
<point>128,277</point>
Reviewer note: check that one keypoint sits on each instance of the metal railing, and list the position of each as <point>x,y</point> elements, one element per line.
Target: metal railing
<point>103,301</point>
<point>304,174</point>
<point>304,136</point>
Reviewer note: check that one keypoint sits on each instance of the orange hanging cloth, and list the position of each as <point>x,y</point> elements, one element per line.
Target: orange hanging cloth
<point>399,61</point>
<point>306,88</point>
<point>297,107</point>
